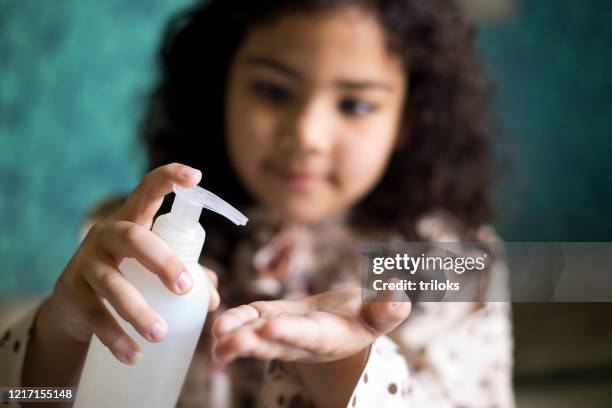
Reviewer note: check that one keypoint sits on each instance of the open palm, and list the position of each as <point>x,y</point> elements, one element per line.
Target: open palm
<point>314,329</point>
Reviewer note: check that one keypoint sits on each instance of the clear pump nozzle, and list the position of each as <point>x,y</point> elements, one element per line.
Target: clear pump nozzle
<point>188,204</point>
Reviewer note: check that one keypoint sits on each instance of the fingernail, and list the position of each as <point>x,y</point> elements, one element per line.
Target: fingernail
<point>189,172</point>
<point>132,356</point>
<point>157,332</point>
<point>184,282</point>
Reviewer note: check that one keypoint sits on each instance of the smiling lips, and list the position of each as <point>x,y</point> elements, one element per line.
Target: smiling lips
<point>299,180</point>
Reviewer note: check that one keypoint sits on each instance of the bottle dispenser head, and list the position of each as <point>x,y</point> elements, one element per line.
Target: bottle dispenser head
<point>188,203</point>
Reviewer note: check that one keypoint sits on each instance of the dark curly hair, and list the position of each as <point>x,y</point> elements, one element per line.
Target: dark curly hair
<point>445,162</point>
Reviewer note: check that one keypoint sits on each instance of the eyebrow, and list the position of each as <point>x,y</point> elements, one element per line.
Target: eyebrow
<point>293,73</point>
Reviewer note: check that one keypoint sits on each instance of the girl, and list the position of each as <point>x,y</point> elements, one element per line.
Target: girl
<point>329,123</point>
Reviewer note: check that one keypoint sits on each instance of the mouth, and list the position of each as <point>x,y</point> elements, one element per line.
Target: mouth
<point>301,180</point>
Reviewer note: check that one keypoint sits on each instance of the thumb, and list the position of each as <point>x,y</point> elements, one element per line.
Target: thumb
<point>390,309</point>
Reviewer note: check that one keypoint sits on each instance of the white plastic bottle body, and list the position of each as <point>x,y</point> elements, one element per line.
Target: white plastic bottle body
<point>156,380</point>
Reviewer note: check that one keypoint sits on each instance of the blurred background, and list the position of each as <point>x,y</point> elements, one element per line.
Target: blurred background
<point>74,77</point>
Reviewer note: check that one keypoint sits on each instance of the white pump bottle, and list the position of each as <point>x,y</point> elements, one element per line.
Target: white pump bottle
<point>156,380</point>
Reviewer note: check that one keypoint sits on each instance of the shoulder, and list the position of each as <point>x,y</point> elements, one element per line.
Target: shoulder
<point>439,225</point>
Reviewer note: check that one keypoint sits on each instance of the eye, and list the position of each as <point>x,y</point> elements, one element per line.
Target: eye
<point>270,91</point>
<point>356,107</point>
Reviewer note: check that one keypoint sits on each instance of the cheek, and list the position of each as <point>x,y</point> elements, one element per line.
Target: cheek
<point>250,135</point>
<point>359,168</point>
<point>361,160</point>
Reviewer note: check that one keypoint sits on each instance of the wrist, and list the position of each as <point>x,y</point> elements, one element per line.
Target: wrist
<point>52,356</point>
<point>331,383</point>
<point>352,363</point>
<point>48,334</point>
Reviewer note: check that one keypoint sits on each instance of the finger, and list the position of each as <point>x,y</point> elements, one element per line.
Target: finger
<point>297,331</point>
<point>238,341</point>
<point>108,330</point>
<point>297,306</point>
<point>243,342</point>
<point>385,315</point>
<point>233,318</point>
<point>212,276</point>
<point>123,239</point>
<point>129,303</point>
<point>238,316</point>
<point>214,300</point>
<point>142,204</point>
<point>269,350</point>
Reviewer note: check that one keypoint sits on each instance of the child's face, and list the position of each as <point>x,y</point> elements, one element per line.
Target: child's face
<point>313,109</point>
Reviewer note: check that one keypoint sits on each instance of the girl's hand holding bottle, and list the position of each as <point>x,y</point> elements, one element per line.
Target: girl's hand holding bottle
<point>75,310</point>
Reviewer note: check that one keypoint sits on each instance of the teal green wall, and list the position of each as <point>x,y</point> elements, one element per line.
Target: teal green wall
<point>73,78</point>
<point>553,64</point>
<point>74,75</point>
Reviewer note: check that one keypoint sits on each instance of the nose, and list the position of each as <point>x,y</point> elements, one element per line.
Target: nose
<point>309,127</point>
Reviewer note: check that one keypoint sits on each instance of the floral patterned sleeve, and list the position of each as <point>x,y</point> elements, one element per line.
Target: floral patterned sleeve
<point>13,344</point>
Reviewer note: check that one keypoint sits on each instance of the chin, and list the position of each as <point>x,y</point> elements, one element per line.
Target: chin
<point>302,212</point>
<point>300,215</point>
